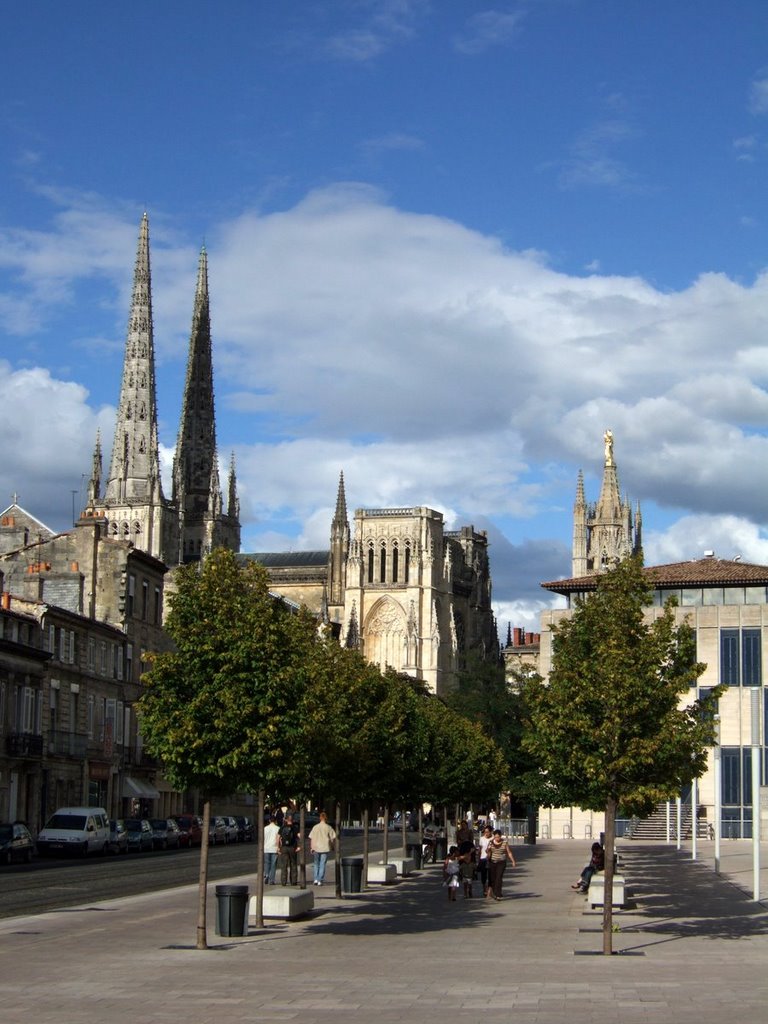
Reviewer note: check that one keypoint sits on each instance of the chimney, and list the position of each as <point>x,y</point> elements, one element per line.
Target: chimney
<point>5,600</point>
<point>517,634</point>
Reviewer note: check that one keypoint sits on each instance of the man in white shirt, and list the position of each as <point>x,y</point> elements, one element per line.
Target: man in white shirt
<point>270,851</point>
<point>321,840</point>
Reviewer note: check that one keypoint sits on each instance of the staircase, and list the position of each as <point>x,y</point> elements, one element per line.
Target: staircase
<point>655,825</point>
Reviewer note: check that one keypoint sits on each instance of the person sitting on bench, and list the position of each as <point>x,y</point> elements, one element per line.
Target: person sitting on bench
<point>596,863</point>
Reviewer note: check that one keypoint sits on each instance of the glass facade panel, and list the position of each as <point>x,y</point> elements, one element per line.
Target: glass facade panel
<point>729,657</point>
<point>751,658</point>
<point>691,597</point>
<point>713,595</point>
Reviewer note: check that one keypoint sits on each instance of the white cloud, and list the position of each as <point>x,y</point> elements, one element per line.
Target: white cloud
<point>688,538</point>
<point>384,24</point>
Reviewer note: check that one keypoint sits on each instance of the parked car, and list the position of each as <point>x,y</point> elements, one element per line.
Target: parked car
<point>139,834</point>
<point>15,843</point>
<point>232,828</point>
<point>217,831</point>
<point>118,836</point>
<point>80,830</point>
<point>245,830</point>
<point>165,834</point>
<point>191,826</point>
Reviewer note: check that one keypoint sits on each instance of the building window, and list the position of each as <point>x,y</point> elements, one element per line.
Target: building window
<point>129,662</point>
<point>407,562</point>
<point>740,657</point>
<point>91,654</point>
<point>370,564</point>
<point>103,645</point>
<point>395,560</point>
<point>119,662</point>
<point>91,717</point>
<point>158,606</point>
<point>130,597</point>
<point>383,564</point>
<point>144,600</point>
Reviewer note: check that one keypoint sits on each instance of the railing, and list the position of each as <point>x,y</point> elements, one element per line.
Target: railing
<point>24,744</point>
<point>71,744</point>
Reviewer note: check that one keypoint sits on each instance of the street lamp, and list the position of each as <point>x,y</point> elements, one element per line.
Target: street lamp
<point>718,793</point>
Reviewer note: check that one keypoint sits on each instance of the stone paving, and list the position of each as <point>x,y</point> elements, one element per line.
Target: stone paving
<point>691,946</point>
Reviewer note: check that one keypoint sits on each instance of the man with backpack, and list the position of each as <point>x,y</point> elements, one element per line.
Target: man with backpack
<point>288,850</point>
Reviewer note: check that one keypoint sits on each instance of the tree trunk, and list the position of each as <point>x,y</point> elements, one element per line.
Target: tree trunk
<point>385,852</point>
<point>259,838</point>
<point>366,844</point>
<point>301,851</point>
<point>339,893</point>
<point>610,845</point>
<point>202,901</point>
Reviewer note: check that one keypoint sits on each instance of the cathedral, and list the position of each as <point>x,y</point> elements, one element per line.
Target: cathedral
<point>400,587</point>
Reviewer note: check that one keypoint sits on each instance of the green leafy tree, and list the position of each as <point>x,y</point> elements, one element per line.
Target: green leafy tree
<point>608,728</point>
<point>221,709</point>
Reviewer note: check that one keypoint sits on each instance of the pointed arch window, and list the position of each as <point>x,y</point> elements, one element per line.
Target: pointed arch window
<point>383,564</point>
<point>407,572</point>
<point>395,561</point>
<point>370,563</point>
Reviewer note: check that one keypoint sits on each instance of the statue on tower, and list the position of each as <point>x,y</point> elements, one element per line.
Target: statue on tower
<point>608,438</point>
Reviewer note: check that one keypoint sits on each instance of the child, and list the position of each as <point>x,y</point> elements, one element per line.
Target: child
<point>451,868</point>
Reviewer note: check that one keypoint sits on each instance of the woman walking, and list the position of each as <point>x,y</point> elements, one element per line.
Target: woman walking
<point>499,852</point>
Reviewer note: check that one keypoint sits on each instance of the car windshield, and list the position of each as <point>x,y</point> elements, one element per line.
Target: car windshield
<point>133,824</point>
<point>74,821</point>
<point>159,823</point>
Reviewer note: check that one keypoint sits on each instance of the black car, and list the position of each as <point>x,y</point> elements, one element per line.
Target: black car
<point>15,843</point>
<point>245,829</point>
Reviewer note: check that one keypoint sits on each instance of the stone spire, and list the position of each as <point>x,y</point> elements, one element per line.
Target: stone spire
<point>233,502</point>
<point>337,559</point>
<point>604,534</point>
<point>196,488</point>
<point>134,504</point>
<point>94,484</point>
<point>134,474</point>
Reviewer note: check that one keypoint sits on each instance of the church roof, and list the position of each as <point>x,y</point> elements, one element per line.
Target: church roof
<point>16,511</point>
<point>285,559</point>
<point>700,572</point>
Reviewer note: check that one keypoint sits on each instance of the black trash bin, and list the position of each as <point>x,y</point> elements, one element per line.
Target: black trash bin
<point>231,909</point>
<point>441,848</point>
<point>414,852</point>
<point>351,874</point>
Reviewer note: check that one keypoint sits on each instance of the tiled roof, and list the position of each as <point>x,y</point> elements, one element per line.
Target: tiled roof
<point>702,572</point>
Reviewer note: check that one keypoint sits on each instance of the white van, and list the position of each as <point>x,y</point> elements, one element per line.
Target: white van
<point>81,830</point>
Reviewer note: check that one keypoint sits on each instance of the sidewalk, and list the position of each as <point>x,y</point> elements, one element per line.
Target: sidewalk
<point>693,948</point>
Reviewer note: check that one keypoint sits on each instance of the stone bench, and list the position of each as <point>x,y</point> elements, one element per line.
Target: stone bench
<point>596,892</point>
<point>383,873</point>
<point>288,903</point>
<point>404,865</point>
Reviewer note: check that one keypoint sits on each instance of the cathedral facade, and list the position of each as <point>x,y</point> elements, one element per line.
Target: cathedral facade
<point>402,589</point>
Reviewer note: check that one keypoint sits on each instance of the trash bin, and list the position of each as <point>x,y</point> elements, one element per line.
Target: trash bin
<point>351,874</point>
<point>231,909</point>
<point>414,852</point>
<point>441,848</point>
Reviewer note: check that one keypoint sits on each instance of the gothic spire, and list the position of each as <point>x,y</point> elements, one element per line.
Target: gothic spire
<point>340,517</point>
<point>233,502</point>
<point>94,484</point>
<point>134,475</point>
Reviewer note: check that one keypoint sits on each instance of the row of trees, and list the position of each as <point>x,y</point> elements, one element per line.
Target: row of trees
<point>254,697</point>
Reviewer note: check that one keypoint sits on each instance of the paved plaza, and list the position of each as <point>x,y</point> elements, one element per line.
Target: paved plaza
<point>692,946</point>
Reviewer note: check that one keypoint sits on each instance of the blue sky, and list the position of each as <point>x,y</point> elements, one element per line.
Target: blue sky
<point>449,244</point>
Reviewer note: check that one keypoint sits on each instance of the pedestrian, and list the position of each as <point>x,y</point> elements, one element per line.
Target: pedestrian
<point>466,850</point>
<point>451,870</point>
<point>321,841</point>
<point>271,832</point>
<point>596,863</point>
<point>499,852</point>
<point>482,857</point>
<point>288,849</point>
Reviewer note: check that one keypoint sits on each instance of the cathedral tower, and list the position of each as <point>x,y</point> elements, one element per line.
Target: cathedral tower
<point>604,533</point>
<point>204,523</point>
<point>337,559</point>
<point>134,505</point>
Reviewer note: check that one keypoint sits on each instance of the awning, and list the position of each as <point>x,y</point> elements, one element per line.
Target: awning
<point>140,788</point>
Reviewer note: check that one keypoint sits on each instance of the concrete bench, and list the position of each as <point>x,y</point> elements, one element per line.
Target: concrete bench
<point>596,892</point>
<point>404,865</point>
<point>287,903</point>
<point>383,873</point>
